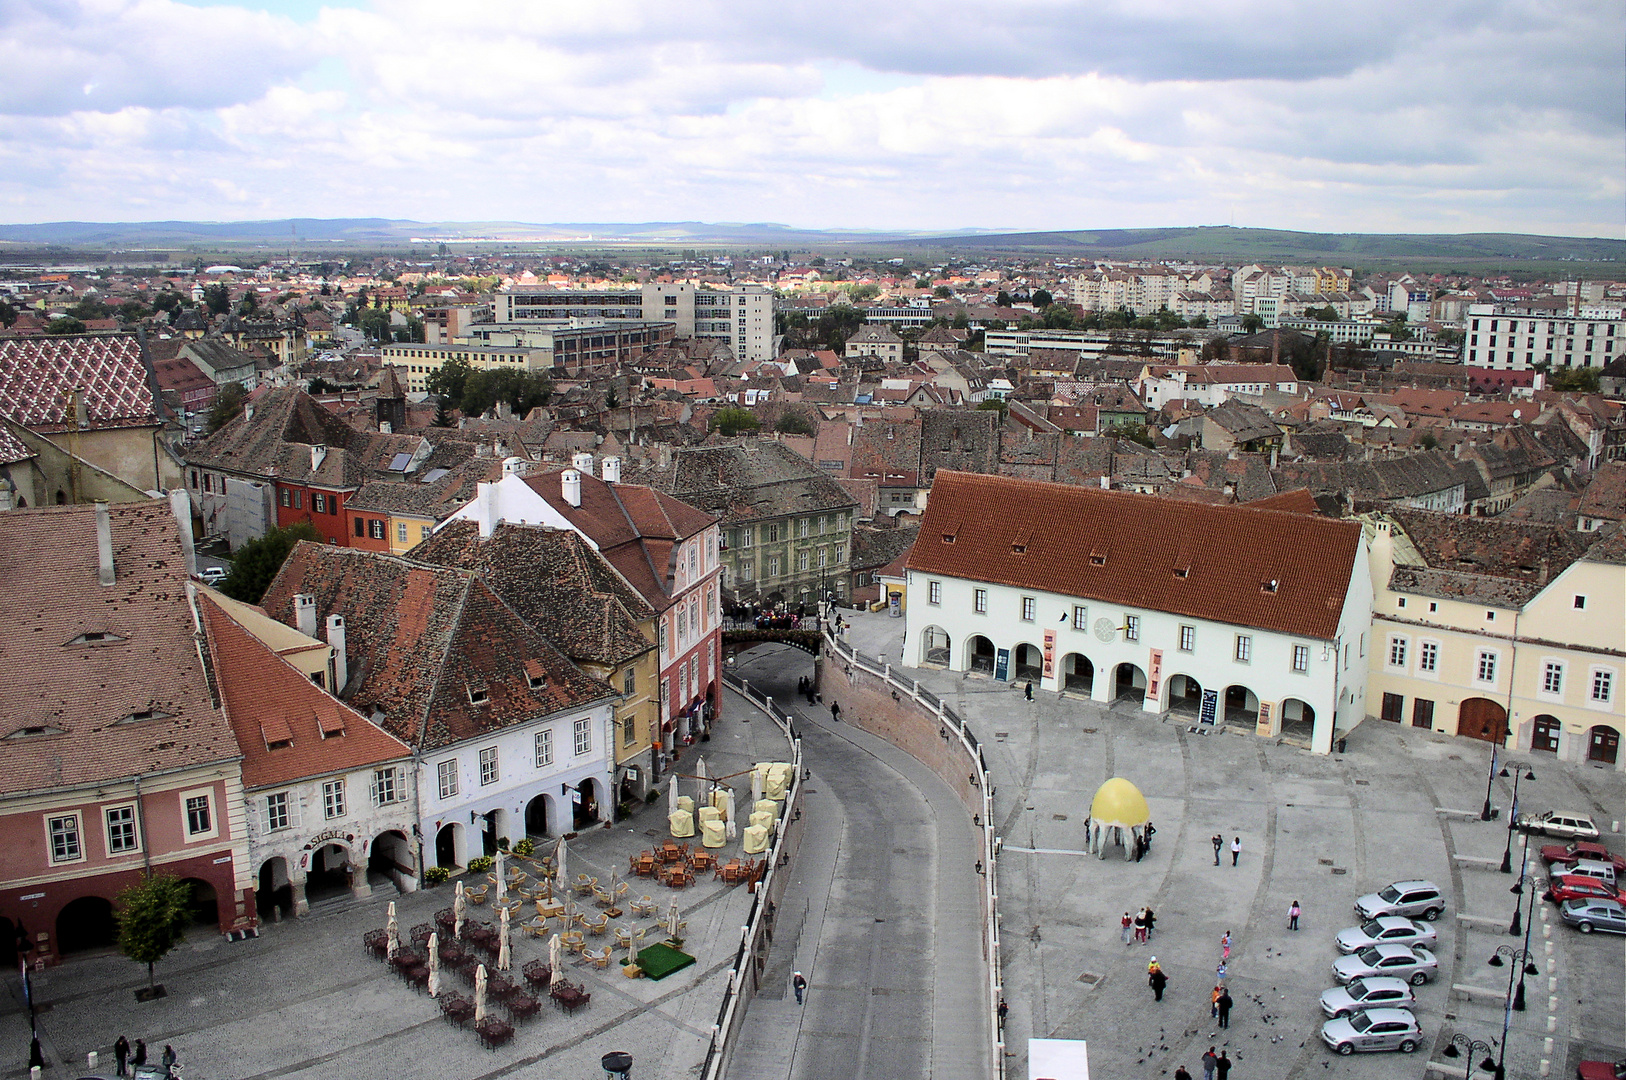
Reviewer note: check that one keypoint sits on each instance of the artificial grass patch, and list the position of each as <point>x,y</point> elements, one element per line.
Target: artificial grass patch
<point>659,961</point>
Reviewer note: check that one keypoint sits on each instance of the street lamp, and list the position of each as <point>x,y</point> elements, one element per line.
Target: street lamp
<point>1518,886</point>
<point>1526,967</point>
<point>1521,771</point>
<point>1490,778</point>
<point>1473,1046</point>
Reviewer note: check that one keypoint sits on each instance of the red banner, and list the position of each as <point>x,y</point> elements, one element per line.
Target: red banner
<point>1049,653</point>
<point>1154,674</point>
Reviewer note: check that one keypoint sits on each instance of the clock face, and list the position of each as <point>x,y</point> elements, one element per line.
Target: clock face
<point>1105,629</point>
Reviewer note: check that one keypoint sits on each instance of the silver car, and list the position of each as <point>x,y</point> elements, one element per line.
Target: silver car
<point>1416,966</point>
<point>1408,898</point>
<point>1377,992</point>
<point>1390,929</point>
<point>1563,825</point>
<point>1377,1029</point>
<point>1589,915</point>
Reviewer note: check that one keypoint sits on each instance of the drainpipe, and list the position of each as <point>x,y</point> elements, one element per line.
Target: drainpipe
<point>1512,670</point>
<point>141,823</point>
<point>417,811</point>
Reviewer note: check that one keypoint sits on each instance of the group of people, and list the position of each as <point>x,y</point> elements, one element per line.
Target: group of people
<point>127,1059</point>
<point>1216,1064</point>
<point>1141,925</point>
<point>1219,843</point>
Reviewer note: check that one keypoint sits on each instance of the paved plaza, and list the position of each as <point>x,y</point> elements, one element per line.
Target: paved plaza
<point>1320,830</point>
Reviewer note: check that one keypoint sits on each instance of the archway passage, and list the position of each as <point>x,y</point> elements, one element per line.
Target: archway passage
<point>85,923</point>
<point>1545,733</point>
<point>1603,744</point>
<point>934,646</point>
<point>1298,720</point>
<point>1029,663</point>
<point>536,816</point>
<point>203,902</point>
<point>1241,706</point>
<point>1128,681</point>
<point>448,845</point>
<point>981,652</point>
<point>1077,673</point>
<point>585,800</point>
<point>329,875</point>
<point>1482,718</point>
<point>1185,695</point>
<point>276,889</point>
<point>390,859</point>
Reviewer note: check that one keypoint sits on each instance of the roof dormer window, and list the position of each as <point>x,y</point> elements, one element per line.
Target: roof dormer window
<point>141,715</point>
<point>1182,572</point>
<point>479,697</point>
<point>97,637</point>
<point>1272,585</point>
<point>537,682</point>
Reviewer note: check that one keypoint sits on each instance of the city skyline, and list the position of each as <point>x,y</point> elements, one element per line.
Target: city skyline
<point>1461,118</point>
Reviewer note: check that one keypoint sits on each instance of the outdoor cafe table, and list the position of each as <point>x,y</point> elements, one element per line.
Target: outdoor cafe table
<point>457,1010</point>
<point>569,997</point>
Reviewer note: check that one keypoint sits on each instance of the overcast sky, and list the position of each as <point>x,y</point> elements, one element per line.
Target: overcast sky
<point>1450,116</point>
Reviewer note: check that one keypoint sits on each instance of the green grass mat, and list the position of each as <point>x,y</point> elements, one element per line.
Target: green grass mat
<point>659,961</point>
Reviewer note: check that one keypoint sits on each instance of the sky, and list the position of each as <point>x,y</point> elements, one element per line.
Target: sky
<point>1383,116</point>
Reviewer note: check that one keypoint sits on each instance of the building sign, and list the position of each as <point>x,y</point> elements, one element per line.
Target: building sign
<point>1049,653</point>
<point>1266,719</point>
<point>31,896</point>
<point>1210,709</point>
<point>328,834</point>
<point>1154,674</point>
<point>1002,665</point>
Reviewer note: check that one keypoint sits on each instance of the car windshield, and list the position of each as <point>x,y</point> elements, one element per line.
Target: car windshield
<point>1371,928</point>
<point>1361,1022</point>
<point>1357,989</point>
<point>1389,895</point>
<point>1371,957</point>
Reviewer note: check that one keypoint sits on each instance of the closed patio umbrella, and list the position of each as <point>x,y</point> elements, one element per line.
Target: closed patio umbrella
<point>504,962</point>
<point>555,956</point>
<point>729,816</point>
<point>480,993</point>
<point>434,965</point>
<point>756,786</point>
<point>502,884</point>
<point>394,934</point>
<point>564,882</point>
<point>460,909</point>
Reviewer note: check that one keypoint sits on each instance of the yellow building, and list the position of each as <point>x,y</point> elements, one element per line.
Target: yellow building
<point>1509,632</point>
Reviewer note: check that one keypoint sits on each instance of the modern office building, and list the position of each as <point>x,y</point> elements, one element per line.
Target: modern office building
<point>742,315</point>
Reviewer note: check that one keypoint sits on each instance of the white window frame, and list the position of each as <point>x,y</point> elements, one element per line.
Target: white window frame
<point>275,822</point>
<point>1428,659</point>
<point>334,806</point>
<point>1606,676</point>
<point>582,732</point>
<point>979,601</point>
<point>446,778</point>
<point>490,766</point>
<point>386,786</point>
<point>1030,608</point>
<point>1552,679</point>
<point>400,532</point>
<point>1484,658</point>
<point>135,829</point>
<point>74,834</point>
<point>1131,627</point>
<point>1399,646</point>
<point>934,592</point>
<point>1244,649</point>
<point>186,816</point>
<point>1301,659</point>
<point>544,748</point>
<point>1081,618</point>
<point>1188,638</point>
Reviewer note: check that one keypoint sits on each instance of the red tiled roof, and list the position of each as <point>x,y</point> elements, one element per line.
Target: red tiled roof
<point>1123,548</point>
<point>39,375</point>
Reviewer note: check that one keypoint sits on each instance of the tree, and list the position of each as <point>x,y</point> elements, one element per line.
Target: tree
<point>1575,380</point>
<point>64,324</point>
<point>374,322</point>
<point>522,390</point>
<point>447,381</point>
<point>228,406</point>
<point>258,561</point>
<point>319,385</point>
<point>942,292</point>
<point>133,311</point>
<point>1003,299</point>
<point>866,291</point>
<point>1252,323</point>
<point>1128,430</point>
<point>1428,441</point>
<point>994,404</point>
<point>794,423</point>
<point>1322,314</point>
<point>1042,299</point>
<point>89,308</point>
<point>8,314</point>
<point>217,298</point>
<point>152,917</point>
<point>250,303</point>
<point>734,420</point>
<point>612,400</point>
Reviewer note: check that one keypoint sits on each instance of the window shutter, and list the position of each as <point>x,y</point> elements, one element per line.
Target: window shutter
<point>265,814</point>
<point>296,804</point>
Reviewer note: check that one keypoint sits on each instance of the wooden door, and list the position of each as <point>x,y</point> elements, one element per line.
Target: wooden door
<point>1482,718</point>
<point>1545,736</point>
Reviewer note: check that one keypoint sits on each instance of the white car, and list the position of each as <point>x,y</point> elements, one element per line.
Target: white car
<point>1376,992</point>
<point>213,575</point>
<point>1386,929</point>
<point>1417,966</point>
<point>1378,1029</point>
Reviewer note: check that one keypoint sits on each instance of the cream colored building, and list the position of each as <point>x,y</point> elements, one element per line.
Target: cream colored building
<point>1518,638</point>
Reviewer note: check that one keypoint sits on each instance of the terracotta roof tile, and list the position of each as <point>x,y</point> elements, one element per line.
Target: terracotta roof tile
<point>39,375</point>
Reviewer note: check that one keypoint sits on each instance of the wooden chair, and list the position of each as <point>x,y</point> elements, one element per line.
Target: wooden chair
<point>644,906</point>
<point>620,895</point>
<point>476,895</point>
<point>597,925</point>
<point>599,957</point>
<point>538,973</point>
<point>585,885</point>
<point>602,897</point>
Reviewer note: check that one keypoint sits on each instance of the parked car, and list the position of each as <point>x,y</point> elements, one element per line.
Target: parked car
<point>1562,887</point>
<point>1416,966</point>
<point>1376,992</point>
<point>1582,849</point>
<point>1589,915</point>
<point>213,575</point>
<point>1376,1029</point>
<point>1408,898</point>
<point>1601,1070</point>
<point>1564,826</point>
<point>1596,869</point>
<point>1389,928</point>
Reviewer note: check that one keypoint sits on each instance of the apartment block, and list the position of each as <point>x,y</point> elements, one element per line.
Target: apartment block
<point>742,316</point>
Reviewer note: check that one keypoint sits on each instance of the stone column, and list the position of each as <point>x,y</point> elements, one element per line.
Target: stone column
<point>302,906</point>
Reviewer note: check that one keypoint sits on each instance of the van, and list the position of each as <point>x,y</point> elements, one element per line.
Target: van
<point>1592,868</point>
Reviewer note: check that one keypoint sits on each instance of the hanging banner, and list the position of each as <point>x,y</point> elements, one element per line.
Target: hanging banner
<point>1210,707</point>
<point>1154,674</point>
<point>1002,665</point>
<point>1049,653</point>
<point>1267,719</point>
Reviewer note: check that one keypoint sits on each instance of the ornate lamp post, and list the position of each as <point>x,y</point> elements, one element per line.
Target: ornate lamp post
<point>1521,771</point>
<point>1490,778</point>
<point>1517,890</point>
<point>1472,1046</point>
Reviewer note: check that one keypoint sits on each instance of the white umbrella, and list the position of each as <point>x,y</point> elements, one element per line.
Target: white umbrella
<point>672,797</point>
<point>564,882</point>
<point>672,919</point>
<point>394,934</point>
<point>480,993</point>
<point>502,885</point>
<point>504,962</point>
<point>703,795</point>
<point>460,907</point>
<point>728,813</point>
<point>756,786</point>
<point>434,965</point>
<point>555,961</point>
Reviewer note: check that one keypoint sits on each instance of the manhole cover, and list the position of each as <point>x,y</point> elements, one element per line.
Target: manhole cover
<point>880,920</point>
<point>1058,817</point>
<point>1324,862</point>
<point>1363,783</point>
<point>1002,734</point>
<point>1454,757</point>
<point>1091,731</point>
<point>898,851</point>
<point>1339,871</point>
<point>1089,978</point>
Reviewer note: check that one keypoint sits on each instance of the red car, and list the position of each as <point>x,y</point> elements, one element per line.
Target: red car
<point>1562,887</point>
<point>1582,849</point>
<point>1601,1070</point>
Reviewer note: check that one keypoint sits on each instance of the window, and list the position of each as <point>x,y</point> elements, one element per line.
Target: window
<point>801,560</point>
<point>801,527</point>
<point>584,737</point>
<point>198,818</point>
<point>1131,627</point>
<point>1580,603</point>
<point>446,778</point>
<point>1552,677</point>
<point>841,552</point>
<point>1603,684</point>
<point>662,623</point>
<point>424,531</point>
<point>1400,602</point>
<point>375,528</point>
<point>1397,652</point>
<point>629,682</point>
<point>1027,609</point>
<point>276,811</point>
<point>1394,707</point>
<point>1301,658</point>
<point>1428,656</point>
<point>319,503</point>
<point>1188,638</point>
<point>359,526</point>
<point>488,766</point>
<point>287,496</point>
<point>385,789</point>
<point>1081,617</point>
<point>773,533</point>
<point>1490,616</point>
<point>333,799</point>
<point>544,748</point>
<point>64,834</point>
<point>823,556</point>
<point>1244,648</point>
<point>1422,713</point>
<point>1486,672</point>
<point>121,830</point>
<point>400,532</point>
<point>745,536</point>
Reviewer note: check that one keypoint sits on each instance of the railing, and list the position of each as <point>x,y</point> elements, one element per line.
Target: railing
<point>955,729</point>
<point>757,933</point>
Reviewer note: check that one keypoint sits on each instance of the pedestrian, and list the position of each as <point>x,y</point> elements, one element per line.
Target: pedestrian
<point>1027,691</point>
<point>835,712</point>
<point>1208,1064</point>
<point>121,1055</point>
<point>168,1060</point>
<point>1213,1000</point>
<point>798,984</point>
<point>1219,842</point>
<point>1224,1008</point>
<point>140,1053</point>
<point>1181,1074</point>
<point>1153,966</point>
<point>801,686</point>
<point>1003,1011</point>
<point>1157,981</point>
<point>1222,1066</point>
<point>1225,946</point>
<point>1140,848</point>
<point>1236,849</point>
<point>1148,833</point>
<point>1140,927</point>
<point>1293,916</point>
<point>1128,923</point>
<point>1151,923</point>
<point>1219,972</point>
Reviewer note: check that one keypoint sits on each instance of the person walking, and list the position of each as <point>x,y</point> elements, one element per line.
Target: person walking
<point>1128,924</point>
<point>1182,1074</point>
<point>1003,1011</point>
<point>1236,849</point>
<point>1147,833</point>
<point>1293,916</point>
<point>1157,981</point>
<point>1219,842</point>
<point>36,1053</point>
<point>798,984</point>
<point>168,1060</point>
<point>1223,1005</point>
<point>835,711</point>
<point>1219,972</point>
<point>1151,923</point>
<point>1140,927</point>
<point>1208,1064</point>
<point>121,1056</point>
<point>1225,946</point>
<point>1222,1066</point>
<point>140,1053</point>
<point>1213,1000</point>
<point>1153,966</point>
<point>1027,691</point>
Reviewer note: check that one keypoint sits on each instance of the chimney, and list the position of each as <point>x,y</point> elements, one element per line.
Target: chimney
<point>318,455</point>
<point>335,638</point>
<point>583,462</point>
<point>1106,483</point>
<point>1274,451</point>
<point>81,413</point>
<point>610,470</point>
<point>305,614</point>
<point>104,544</point>
<point>181,506</point>
<point>248,412</point>
<point>570,485</point>
<point>485,508</point>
